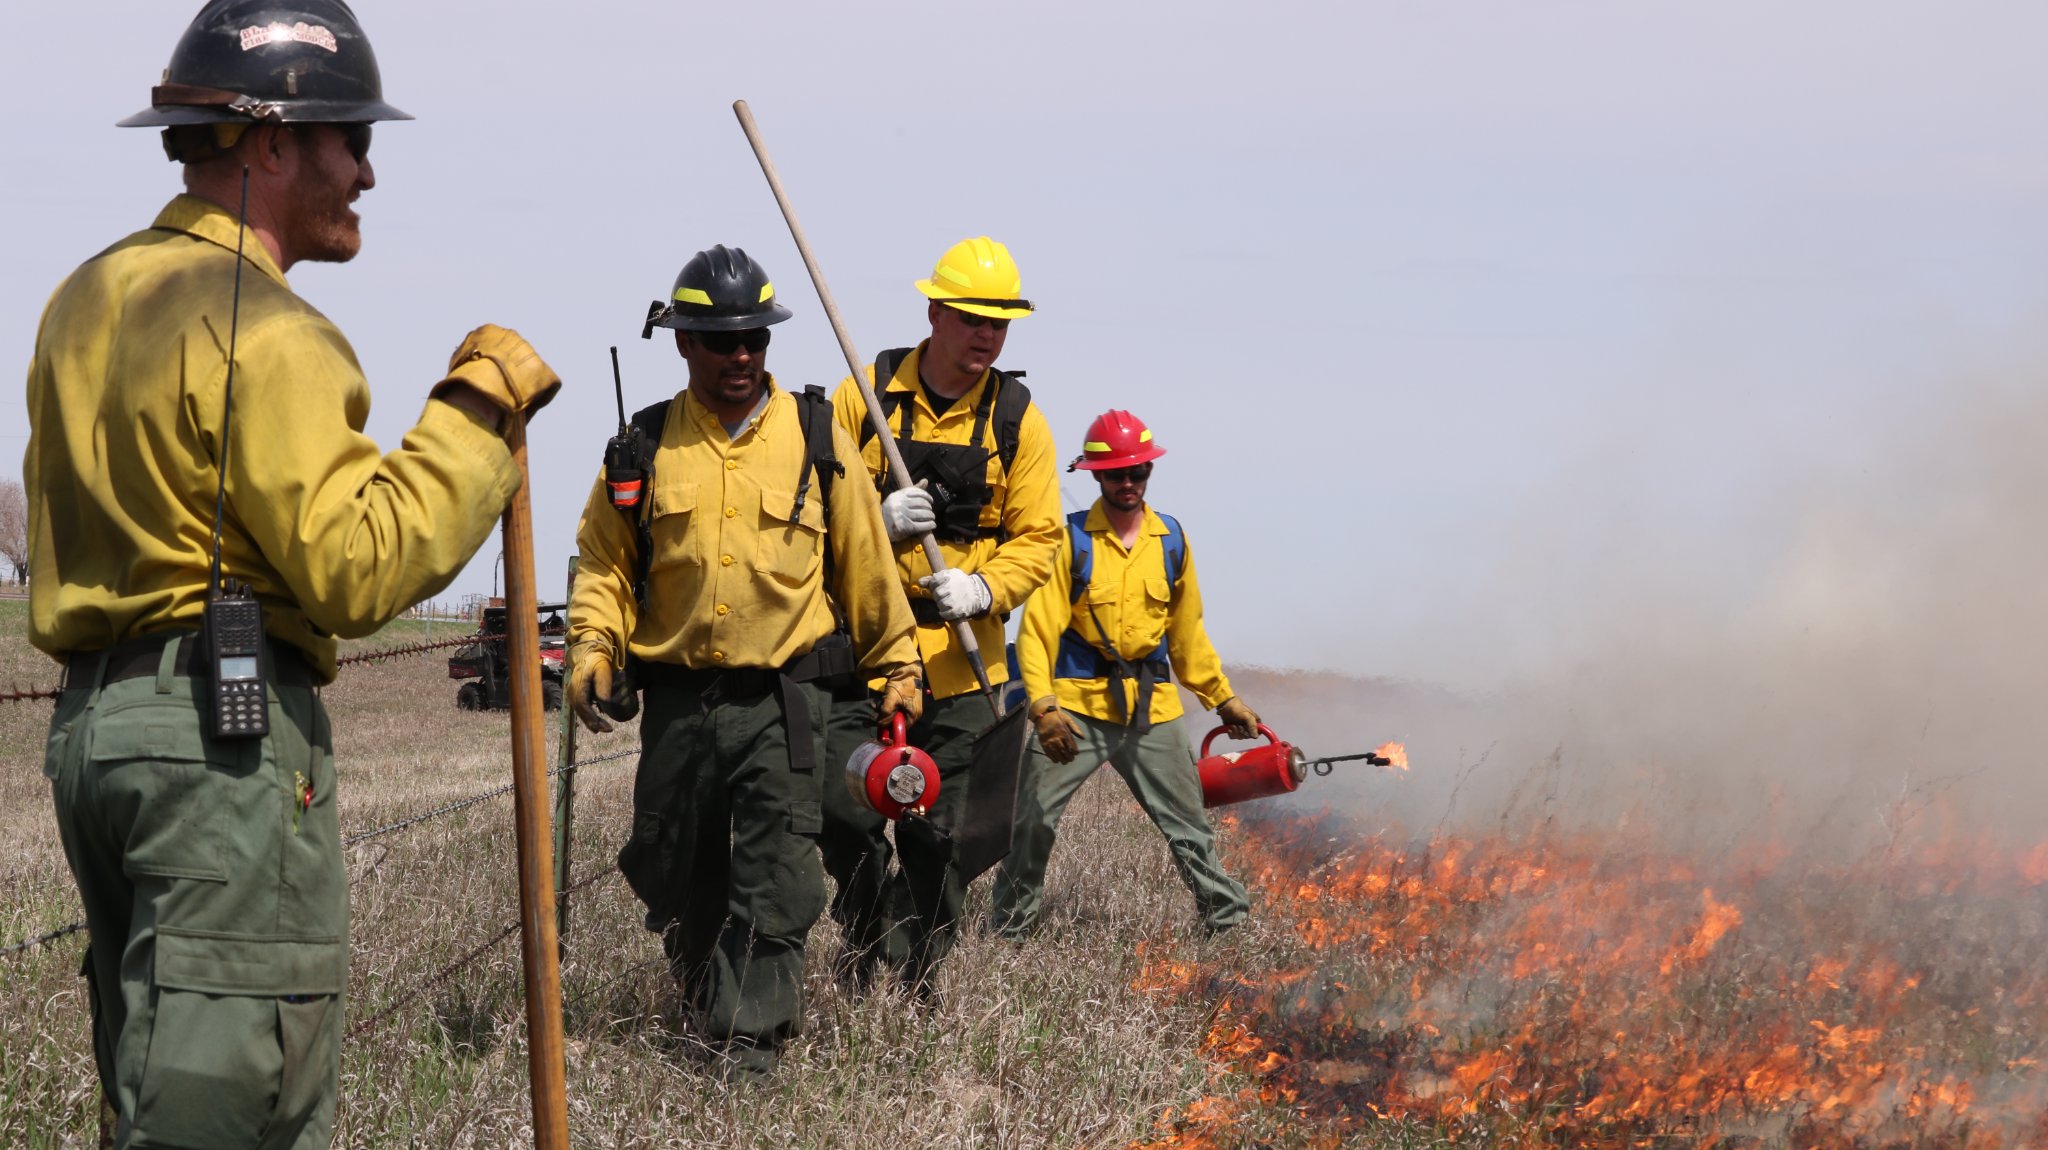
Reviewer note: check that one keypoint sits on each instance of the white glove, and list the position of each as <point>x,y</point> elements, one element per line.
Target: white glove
<point>958,594</point>
<point>907,513</point>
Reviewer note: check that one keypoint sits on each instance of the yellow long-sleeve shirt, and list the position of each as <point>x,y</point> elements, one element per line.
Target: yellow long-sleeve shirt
<point>736,580</point>
<point>1024,504</point>
<point>125,398</point>
<point>1129,594</point>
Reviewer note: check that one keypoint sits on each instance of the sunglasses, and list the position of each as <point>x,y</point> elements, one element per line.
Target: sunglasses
<point>755,340</point>
<point>354,137</point>
<point>972,320</point>
<point>1138,474</point>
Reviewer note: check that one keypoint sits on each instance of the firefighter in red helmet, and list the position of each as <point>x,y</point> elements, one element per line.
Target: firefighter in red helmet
<point>1101,646</point>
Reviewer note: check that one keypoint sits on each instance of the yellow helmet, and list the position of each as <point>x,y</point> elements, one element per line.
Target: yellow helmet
<point>978,276</point>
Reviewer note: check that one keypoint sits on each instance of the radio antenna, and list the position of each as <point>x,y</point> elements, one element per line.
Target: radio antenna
<point>220,498</point>
<point>619,389</point>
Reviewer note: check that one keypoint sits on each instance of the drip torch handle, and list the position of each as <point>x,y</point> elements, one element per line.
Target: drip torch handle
<point>1263,729</point>
<point>895,730</point>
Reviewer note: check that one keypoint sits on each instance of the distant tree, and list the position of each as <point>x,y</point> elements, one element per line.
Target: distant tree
<point>14,528</point>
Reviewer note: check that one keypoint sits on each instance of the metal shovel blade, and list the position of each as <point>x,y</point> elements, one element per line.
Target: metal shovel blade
<point>983,837</point>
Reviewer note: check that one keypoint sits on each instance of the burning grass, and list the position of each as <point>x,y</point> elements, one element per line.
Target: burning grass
<point>1590,992</point>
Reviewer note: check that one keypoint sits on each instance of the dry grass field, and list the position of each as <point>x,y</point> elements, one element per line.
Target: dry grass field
<point>1048,1044</point>
<point>1518,981</point>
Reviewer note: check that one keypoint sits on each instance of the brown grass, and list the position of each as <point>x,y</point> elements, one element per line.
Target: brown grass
<point>1047,1044</point>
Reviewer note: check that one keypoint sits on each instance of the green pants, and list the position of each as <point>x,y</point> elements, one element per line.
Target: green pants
<point>1161,774</point>
<point>218,907</point>
<point>855,850</point>
<point>926,893</point>
<point>724,854</point>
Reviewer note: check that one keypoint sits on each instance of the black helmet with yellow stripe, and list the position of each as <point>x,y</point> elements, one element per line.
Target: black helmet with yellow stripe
<point>721,289</point>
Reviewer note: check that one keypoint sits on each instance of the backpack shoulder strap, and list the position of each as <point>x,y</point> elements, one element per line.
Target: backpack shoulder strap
<point>1012,401</point>
<point>814,412</point>
<point>1083,547</point>
<point>1176,542</point>
<point>885,370</point>
<point>649,422</point>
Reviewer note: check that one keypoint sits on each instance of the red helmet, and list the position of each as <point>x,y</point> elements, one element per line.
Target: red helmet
<point>1116,439</point>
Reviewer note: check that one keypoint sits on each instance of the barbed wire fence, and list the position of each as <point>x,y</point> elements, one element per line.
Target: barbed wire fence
<point>443,974</point>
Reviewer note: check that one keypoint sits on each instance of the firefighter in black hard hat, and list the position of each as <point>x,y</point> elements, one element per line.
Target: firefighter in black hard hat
<point>210,865</point>
<point>717,595</point>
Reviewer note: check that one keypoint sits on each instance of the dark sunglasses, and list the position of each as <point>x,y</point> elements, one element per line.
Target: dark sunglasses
<point>972,320</point>
<point>354,137</point>
<point>1138,474</point>
<point>754,340</point>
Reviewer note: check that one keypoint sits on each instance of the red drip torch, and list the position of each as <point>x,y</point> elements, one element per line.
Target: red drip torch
<point>1274,769</point>
<point>892,777</point>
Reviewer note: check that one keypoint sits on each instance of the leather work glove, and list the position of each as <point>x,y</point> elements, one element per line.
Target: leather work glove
<point>904,691</point>
<point>1242,720</point>
<point>590,682</point>
<point>504,369</point>
<point>958,594</point>
<point>1057,736</point>
<point>907,513</point>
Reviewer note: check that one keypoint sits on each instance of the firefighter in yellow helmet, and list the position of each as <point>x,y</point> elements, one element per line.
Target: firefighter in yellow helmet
<point>983,459</point>
<point>207,853</point>
<point>1100,648</point>
<point>719,591</point>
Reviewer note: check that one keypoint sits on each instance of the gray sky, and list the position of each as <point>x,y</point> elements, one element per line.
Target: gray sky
<point>1439,309</point>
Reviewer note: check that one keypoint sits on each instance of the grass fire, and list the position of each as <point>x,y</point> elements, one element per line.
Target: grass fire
<point>1595,991</point>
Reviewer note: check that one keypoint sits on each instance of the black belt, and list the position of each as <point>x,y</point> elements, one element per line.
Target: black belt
<point>140,658</point>
<point>714,685</point>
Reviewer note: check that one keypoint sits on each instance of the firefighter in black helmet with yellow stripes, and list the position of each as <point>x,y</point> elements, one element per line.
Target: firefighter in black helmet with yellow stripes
<point>207,853</point>
<point>718,594</point>
<point>987,485</point>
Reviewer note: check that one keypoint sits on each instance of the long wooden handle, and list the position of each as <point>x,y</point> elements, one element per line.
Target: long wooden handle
<point>530,816</point>
<point>898,473</point>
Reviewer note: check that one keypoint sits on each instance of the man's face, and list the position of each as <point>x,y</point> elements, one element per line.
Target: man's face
<point>727,368</point>
<point>964,343</point>
<point>1124,488</point>
<point>334,168</point>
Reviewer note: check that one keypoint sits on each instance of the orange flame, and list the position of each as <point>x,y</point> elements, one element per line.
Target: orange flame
<point>1569,993</point>
<point>1395,754</point>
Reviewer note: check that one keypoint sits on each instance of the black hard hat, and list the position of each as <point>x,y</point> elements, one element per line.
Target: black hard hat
<point>722,289</point>
<point>277,61</point>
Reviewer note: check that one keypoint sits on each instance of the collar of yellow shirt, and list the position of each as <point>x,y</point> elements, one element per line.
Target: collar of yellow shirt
<point>209,221</point>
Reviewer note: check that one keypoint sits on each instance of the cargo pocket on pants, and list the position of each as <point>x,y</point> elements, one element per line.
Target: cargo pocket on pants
<point>244,1044</point>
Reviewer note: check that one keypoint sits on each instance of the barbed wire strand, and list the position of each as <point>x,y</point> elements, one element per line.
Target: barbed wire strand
<point>28,695</point>
<point>452,969</point>
<point>360,837</point>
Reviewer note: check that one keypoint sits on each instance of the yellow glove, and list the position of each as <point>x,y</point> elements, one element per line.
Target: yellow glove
<point>590,680</point>
<point>504,369</point>
<point>1242,720</point>
<point>1057,735</point>
<point>904,691</point>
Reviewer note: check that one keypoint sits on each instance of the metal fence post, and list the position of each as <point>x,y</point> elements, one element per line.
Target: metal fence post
<point>565,794</point>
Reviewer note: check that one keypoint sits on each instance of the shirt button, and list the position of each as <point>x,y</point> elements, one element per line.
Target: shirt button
<point>723,609</point>
<point>725,561</point>
<point>732,465</point>
<point>718,656</point>
<point>731,511</point>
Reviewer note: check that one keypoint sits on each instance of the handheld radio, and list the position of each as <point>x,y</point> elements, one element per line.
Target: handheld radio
<point>625,458</point>
<point>231,629</point>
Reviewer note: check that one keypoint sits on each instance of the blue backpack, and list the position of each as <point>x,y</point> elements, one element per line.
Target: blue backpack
<point>1084,553</point>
